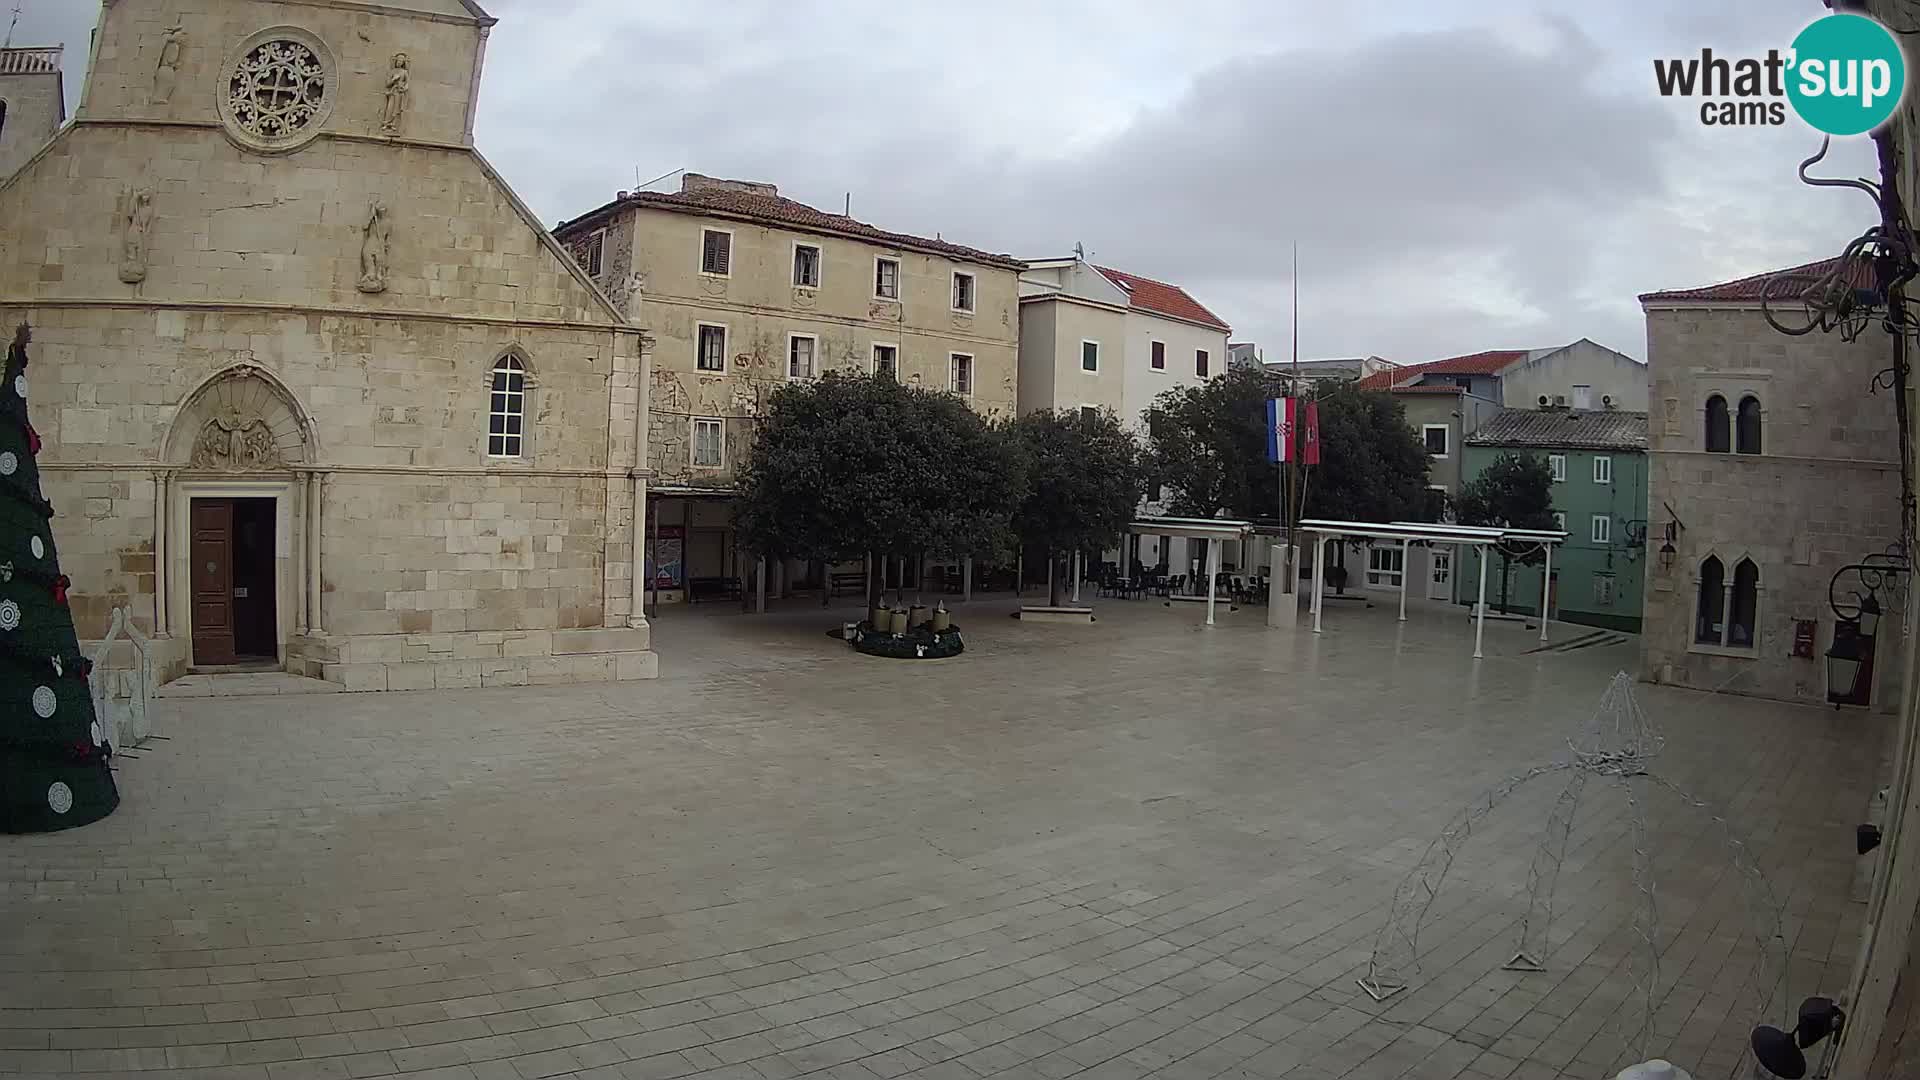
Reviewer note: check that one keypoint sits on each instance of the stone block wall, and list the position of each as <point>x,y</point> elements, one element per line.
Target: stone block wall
<point>1823,493</point>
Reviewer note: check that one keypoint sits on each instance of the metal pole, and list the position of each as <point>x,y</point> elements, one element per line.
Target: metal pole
<point>1403,580</point>
<point>1213,571</point>
<point>760,584</point>
<point>1078,559</point>
<point>966,580</point>
<point>1480,609</point>
<point>1546,585</point>
<point>1319,577</point>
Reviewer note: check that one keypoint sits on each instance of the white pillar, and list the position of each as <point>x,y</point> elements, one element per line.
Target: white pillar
<point>1079,558</point>
<point>1319,577</point>
<point>1406,570</point>
<point>1546,584</point>
<point>1480,608</point>
<point>966,579</point>
<point>760,585</point>
<point>1213,570</point>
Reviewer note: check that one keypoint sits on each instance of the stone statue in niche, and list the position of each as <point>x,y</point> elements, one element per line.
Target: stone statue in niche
<point>136,230</point>
<point>394,111</point>
<point>234,442</point>
<point>167,72</point>
<point>373,248</point>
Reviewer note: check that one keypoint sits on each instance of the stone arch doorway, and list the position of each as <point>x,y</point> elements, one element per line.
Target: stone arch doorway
<point>238,500</point>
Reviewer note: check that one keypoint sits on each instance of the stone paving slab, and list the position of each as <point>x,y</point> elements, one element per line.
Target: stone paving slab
<point>1136,849</point>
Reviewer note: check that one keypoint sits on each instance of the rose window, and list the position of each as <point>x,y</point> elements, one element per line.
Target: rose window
<point>277,90</point>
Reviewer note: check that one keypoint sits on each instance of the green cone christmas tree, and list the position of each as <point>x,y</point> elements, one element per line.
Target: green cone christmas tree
<point>53,750</point>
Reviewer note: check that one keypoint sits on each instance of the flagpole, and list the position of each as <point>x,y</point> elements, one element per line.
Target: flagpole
<point>1290,513</point>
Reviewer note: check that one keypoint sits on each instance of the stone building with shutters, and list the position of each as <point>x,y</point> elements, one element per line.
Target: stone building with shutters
<point>745,290</point>
<point>1772,464</point>
<point>318,391</point>
<point>33,103</point>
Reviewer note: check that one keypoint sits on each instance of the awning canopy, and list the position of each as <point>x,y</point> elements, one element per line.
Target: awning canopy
<point>1191,528</point>
<point>1421,532</point>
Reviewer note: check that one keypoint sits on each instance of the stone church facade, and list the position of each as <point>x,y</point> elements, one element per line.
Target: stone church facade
<point>317,390</point>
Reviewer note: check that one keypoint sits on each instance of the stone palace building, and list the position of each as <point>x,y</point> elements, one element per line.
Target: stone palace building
<point>318,391</point>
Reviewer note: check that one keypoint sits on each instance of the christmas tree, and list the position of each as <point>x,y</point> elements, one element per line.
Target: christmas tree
<point>53,751</point>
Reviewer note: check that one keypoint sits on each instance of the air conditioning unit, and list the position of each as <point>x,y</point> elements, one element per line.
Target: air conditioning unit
<point>1543,401</point>
<point>1606,401</point>
<point>1559,400</point>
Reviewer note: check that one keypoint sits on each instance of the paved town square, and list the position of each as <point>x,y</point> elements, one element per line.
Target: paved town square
<point>1141,848</point>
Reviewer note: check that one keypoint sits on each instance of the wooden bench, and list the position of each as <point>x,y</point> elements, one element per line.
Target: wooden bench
<point>853,580</point>
<point>725,588</point>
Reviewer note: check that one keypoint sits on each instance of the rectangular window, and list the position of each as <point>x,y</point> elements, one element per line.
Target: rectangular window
<point>800,349</point>
<point>1385,565</point>
<point>716,252</point>
<point>1089,356</point>
<point>1089,412</point>
<point>960,373</point>
<point>591,253</point>
<point>1583,397</point>
<point>1159,356</point>
<point>1603,590</point>
<point>709,443</point>
<point>1200,362</point>
<point>886,361</point>
<point>1436,439</point>
<point>962,291</point>
<point>1603,470</point>
<point>1602,529</point>
<point>806,266</point>
<point>711,353</point>
<point>1557,465</point>
<point>1560,521</point>
<point>506,417</point>
<point>886,279</point>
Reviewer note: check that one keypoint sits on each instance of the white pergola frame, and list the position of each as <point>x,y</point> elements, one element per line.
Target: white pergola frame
<point>1411,532</point>
<point>1197,529</point>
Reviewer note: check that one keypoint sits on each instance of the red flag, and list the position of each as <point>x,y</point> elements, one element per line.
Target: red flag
<point>1311,453</point>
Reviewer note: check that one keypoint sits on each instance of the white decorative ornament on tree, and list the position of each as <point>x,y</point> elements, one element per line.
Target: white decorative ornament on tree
<point>39,549</point>
<point>59,798</point>
<point>44,703</point>
<point>9,615</point>
<point>20,386</point>
<point>59,669</point>
<point>8,463</point>
<point>95,732</point>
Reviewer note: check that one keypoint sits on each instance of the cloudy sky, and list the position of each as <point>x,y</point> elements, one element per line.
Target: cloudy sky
<point>1459,174</point>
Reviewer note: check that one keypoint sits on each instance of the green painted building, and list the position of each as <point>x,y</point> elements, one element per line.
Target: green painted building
<point>1599,463</point>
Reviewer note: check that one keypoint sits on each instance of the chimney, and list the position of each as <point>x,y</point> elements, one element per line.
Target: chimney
<point>692,182</point>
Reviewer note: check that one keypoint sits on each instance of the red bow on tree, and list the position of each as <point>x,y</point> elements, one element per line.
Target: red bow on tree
<point>60,586</point>
<point>33,441</point>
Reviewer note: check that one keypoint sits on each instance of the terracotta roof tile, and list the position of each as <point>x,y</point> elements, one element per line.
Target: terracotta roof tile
<point>1163,299</point>
<point>1563,429</point>
<point>781,211</point>
<point>1491,362</point>
<point>1748,289</point>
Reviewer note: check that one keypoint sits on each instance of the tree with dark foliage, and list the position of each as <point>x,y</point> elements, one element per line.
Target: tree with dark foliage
<point>848,465</point>
<point>1515,492</point>
<point>1082,482</point>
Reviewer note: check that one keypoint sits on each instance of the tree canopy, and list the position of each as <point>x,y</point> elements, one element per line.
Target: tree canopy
<point>1514,491</point>
<point>849,464</point>
<point>1207,445</point>
<point>1082,479</point>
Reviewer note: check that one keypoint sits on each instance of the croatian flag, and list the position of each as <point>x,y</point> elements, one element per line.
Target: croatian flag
<point>1284,417</point>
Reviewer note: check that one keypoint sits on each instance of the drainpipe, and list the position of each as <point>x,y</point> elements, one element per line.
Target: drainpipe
<point>638,612</point>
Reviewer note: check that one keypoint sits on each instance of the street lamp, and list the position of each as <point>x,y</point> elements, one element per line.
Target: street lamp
<point>1667,553</point>
<point>1844,661</point>
<point>1869,616</point>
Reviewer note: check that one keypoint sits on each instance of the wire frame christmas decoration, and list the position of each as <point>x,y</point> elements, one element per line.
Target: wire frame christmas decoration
<point>1616,747</point>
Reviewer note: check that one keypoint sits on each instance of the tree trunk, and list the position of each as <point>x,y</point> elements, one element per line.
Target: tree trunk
<point>1506,565</point>
<point>1053,578</point>
<point>876,581</point>
<point>1340,563</point>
